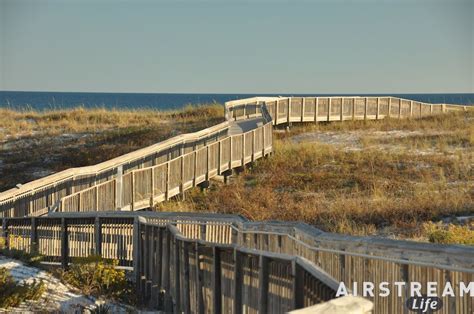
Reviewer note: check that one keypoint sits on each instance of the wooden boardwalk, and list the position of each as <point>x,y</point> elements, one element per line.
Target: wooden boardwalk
<point>221,263</point>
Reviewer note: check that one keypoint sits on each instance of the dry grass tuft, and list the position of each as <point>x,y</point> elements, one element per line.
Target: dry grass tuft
<point>78,120</point>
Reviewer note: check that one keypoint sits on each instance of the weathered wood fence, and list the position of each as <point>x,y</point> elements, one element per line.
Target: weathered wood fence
<point>187,263</point>
<point>315,109</point>
<point>205,262</point>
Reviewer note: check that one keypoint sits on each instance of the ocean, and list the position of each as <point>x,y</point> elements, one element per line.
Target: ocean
<point>165,101</point>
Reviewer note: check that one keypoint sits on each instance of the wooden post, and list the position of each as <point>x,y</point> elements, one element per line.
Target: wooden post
<point>219,157</point>
<point>216,280</point>
<point>5,232</point>
<point>238,281</point>
<point>431,109</point>
<point>389,106</point>
<point>230,153</point>
<point>207,163</point>
<point>234,236</point>
<point>136,253</point>
<point>159,257</point>
<point>199,297</point>
<point>253,145</point>
<point>378,109</point>
<point>152,189</point>
<point>342,109</point>
<point>263,284</point>
<point>145,256</point>
<point>118,187</point>
<point>167,192</point>
<point>98,236</point>
<point>365,107</point>
<point>399,108</point>
<point>166,261</point>
<point>405,278</point>
<point>96,198</point>
<point>316,107</point>
<point>329,108</point>
<point>79,202</point>
<point>34,236</point>
<point>276,112</point>
<point>288,114</point>
<point>142,258</point>
<point>132,186</point>
<point>302,108</point>
<point>451,306</point>
<point>411,108</point>
<point>177,275</point>
<point>181,186</point>
<point>195,167</point>
<point>29,206</point>
<point>342,265</point>
<point>151,261</point>
<point>243,149</point>
<point>153,266</point>
<point>202,229</point>
<point>186,288</point>
<point>64,244</point>
<point>297,275</point>
<point>353,108</point>
<point>263,141</point>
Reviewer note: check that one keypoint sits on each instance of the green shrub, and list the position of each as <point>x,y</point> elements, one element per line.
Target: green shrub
<point>99,277</point>
<point>13,293</point>
<point>450,234</point>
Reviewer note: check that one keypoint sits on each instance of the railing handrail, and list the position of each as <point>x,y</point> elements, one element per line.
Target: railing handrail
<point>153,166</point>
<point>318,253</point>
<point>460,257</point>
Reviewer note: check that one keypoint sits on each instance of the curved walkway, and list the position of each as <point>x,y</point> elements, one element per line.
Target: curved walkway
<point>153,174</point>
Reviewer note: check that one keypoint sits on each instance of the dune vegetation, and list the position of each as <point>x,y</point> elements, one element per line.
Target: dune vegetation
<point>34,144</point>
<point>409,178</point>
<point>28,122</point>
<point>391,178</point>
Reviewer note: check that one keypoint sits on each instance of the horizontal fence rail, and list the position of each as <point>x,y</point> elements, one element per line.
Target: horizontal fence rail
<point>203,262</point>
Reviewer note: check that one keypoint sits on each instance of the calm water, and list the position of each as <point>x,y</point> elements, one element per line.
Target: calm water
<point>51,100</point>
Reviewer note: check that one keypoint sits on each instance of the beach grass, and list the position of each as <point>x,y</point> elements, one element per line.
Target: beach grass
<point>390,178</point>
<point>38,143</point>
<point>15,123</point>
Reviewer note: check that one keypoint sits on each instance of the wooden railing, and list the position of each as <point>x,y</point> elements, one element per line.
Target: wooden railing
<point>141,188</point>
<point>139,179</point>
<point>38,197</point>
<point>315,109</point>
<point>243,266</point>
<point>194,260</point>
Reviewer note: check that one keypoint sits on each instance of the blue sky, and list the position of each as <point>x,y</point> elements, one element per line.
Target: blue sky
<point>238,47</point>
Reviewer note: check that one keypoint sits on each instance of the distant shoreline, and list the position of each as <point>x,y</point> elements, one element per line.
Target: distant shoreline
<point>166,101</point>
